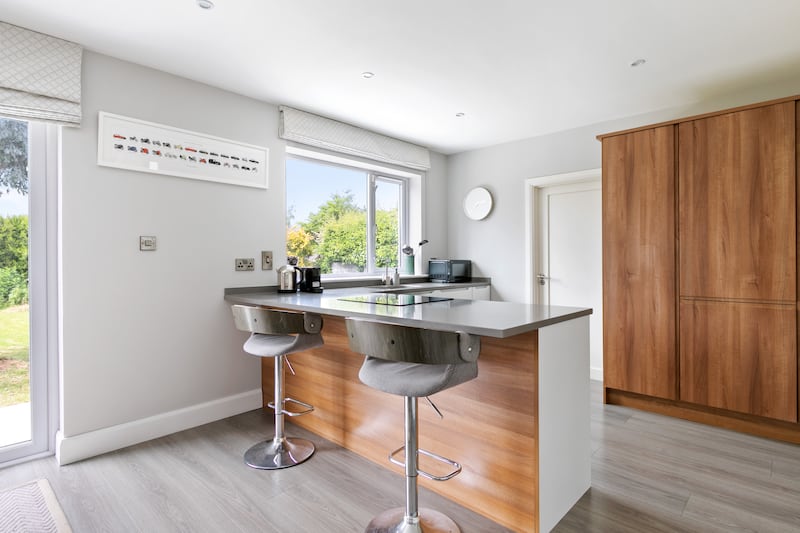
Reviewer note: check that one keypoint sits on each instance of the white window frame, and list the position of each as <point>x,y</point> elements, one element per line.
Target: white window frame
<point>375,174</point>
<point>372,226</point>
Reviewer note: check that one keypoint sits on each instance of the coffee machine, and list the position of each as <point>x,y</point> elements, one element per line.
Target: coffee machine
<point>310,279</point>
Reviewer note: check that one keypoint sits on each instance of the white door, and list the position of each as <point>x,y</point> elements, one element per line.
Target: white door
<point>569,269</point>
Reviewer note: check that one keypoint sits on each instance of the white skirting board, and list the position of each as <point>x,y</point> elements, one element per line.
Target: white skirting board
<point>85,445</point>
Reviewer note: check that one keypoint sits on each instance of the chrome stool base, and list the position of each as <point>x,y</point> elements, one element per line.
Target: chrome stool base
<point>395,521</point>
<point>278,453</point>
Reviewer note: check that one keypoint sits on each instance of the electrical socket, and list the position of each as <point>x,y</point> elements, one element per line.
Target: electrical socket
<point>243,264</point>
<point>266,260</point>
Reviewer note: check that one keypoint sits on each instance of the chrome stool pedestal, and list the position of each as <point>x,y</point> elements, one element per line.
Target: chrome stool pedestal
<point>397,521</point>
<point>276,334</point>
<point>411,362</point>
<point>280,451</point>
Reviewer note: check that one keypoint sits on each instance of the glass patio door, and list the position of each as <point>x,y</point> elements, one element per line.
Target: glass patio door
<point>24,401</point>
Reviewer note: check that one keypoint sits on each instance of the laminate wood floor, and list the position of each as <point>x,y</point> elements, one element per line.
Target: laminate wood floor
<point>653,473</point>
<point>649,473</point>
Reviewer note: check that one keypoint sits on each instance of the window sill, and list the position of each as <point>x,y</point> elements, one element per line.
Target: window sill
<point>365,281</point>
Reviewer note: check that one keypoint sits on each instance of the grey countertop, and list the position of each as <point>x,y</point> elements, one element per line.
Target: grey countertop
<point>480,317</point>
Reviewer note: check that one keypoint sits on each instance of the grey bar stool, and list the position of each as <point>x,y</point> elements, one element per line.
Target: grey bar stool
<point>277,334</point>
<point>413,362</point>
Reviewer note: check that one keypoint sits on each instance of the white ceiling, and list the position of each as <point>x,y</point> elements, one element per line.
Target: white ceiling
<point>516,68</point>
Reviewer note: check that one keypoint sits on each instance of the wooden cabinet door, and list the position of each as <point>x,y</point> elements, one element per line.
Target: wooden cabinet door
<point>639,287</point>
<point>736,179</point>
<point>740,357</point>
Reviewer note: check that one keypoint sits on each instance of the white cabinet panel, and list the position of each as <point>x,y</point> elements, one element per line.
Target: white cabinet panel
<point>463,294</point>
<point>482,293</point>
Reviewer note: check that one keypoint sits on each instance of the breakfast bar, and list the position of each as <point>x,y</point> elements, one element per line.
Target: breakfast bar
<point>520,430</point>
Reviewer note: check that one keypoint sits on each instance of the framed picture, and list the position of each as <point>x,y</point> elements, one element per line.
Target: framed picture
<point>133,144</point>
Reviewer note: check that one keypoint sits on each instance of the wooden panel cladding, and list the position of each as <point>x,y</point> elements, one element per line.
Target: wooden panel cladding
<point>737,205</point>
<point>489,423</point>
<point>740,357</point>
<point>639,287</point>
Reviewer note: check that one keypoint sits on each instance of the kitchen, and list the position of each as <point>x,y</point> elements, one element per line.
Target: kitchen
<point>174,369</point>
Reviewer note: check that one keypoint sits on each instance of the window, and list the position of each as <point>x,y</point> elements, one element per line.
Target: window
<point>345,220</point>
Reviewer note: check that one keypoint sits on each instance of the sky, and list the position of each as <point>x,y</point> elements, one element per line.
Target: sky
<point>13,203</point>
<point>310,184</point>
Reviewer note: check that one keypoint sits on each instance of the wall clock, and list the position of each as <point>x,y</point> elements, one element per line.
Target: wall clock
<point>477,203</point>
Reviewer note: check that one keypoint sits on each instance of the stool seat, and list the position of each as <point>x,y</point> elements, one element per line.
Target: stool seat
<point>264,345</point>
<point>414,379</point>
<point>277,334</point>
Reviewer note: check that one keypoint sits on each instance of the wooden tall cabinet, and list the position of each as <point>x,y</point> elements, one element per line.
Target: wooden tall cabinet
<point>639,345</point>
<point>700,268</point>
<point>738,265</point>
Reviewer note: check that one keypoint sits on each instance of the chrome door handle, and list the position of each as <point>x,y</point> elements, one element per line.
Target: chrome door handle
<point>541,278</point>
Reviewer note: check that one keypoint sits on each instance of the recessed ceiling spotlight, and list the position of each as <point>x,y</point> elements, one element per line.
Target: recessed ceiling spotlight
<point>638,62</point>
<point>459,114</point>
<point>205,4</point>
<point>367,75</point>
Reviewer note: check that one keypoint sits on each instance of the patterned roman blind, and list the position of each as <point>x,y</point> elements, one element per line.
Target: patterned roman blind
<point>40,76</point>
<point>314,130</point>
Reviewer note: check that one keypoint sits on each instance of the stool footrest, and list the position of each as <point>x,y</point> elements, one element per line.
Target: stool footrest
<point>308,407</point>
<point>456,466</point>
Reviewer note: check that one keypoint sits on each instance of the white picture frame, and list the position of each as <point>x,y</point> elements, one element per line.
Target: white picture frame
<point>133,144</point>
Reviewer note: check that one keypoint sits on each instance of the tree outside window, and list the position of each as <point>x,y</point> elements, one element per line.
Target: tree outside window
<point>330,209</point>
<point>13,227</point>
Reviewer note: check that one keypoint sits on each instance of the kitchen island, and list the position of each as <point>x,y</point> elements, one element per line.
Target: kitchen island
<point>520,429</point>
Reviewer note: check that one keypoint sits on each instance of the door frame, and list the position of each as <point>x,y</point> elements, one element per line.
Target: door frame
<point>43,140</point>
<point>532,215</point>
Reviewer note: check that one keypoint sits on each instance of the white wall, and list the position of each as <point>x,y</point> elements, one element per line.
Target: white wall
<point>496,244</point>
<point>148,342</point>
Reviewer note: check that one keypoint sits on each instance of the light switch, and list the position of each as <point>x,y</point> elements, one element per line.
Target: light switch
<point>147,243</point>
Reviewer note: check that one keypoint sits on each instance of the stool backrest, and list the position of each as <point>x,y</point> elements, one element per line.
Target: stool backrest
<point>411,345</point>
<point>274,322</point>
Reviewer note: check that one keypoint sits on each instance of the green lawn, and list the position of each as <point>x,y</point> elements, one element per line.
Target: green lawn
<point>14,351</point>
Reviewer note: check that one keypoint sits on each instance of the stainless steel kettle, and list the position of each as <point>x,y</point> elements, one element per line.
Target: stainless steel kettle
<point>288,276</point>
